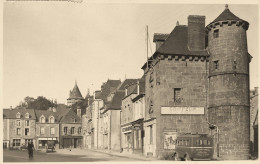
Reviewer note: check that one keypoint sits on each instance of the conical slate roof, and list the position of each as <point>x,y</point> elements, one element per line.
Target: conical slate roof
<point>75,93</point>
<point>227,15</point>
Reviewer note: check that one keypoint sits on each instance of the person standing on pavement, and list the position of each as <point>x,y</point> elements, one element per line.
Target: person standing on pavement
<point>30,149</point>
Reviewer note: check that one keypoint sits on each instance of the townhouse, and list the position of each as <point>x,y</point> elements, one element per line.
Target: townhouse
<point>18,127</point>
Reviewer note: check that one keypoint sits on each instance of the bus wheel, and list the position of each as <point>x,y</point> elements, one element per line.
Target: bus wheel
<point>187,157</point>
<point>175,157</point>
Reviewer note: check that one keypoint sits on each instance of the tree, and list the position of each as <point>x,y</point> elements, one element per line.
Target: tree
<point>41,103</point>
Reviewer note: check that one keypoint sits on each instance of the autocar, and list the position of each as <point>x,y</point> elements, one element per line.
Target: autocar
<point>23,146</point>
<point>193,147</point>
<point>50,146</point>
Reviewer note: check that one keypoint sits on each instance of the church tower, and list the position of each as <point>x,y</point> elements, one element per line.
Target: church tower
<point>74,96</point>
<point>228,108</point>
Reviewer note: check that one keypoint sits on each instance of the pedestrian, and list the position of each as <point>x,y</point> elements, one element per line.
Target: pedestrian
<point>30,150</point>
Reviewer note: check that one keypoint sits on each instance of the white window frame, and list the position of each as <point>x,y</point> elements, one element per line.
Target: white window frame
<point>52,130</point>
<point>18,115</point>
<point>42,117</point>
<point>27,115</point>
<point>50,118</point>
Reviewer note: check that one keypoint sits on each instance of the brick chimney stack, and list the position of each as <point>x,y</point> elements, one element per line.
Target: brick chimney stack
<point>196,32</point>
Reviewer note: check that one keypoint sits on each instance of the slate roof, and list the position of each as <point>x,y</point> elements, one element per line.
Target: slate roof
<point>97,94</point>
<point>116,101</point>
<point>46,114</point>
<point>227,15</point>
<point>108,87</point>
<point>11,114</point>
<point>160,37</point>
<point>127,82</point>
<point>75,93</point>
<point>66,118</point>
<point>177,44</point>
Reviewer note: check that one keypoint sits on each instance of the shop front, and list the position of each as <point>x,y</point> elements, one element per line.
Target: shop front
<point>42,142</point>
<point>71,142</point>
<point>132,137</point>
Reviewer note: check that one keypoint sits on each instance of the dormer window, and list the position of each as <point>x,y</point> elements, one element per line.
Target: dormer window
<point>18,115</point>
<point>73,120</point>
<point>27,115</point>
<point>42,119</point>
<point>51,119</point>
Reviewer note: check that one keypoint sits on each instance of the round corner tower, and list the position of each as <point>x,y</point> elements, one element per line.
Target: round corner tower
<point>228,95</point>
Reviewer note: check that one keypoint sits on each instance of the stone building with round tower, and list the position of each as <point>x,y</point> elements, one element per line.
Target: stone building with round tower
<point>229,106</point>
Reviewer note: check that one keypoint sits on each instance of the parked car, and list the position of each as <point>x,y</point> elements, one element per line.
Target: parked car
<point>193,147</point>
<point>23,146</point>
<point>50,146</point>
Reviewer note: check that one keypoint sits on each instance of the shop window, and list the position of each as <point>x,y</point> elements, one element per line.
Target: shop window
<point>28,141</point>
<point>26,132</point>
<point>27,122</point>
<point>72,130</point>
<point>79,130</point>
<point>16,142</point>
<point>18,122</point>
<point>65,130</point>
<point>52,131</point>
<point>18,131</point>
<point>177,95</point>
<point>216,33</point>
<point>41,130</point>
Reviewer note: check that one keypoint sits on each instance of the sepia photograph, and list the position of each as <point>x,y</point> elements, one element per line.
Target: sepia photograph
<point>130,81</point>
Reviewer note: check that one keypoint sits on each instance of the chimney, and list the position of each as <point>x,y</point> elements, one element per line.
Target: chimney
<point>196,32</point>
<point>256,90</point>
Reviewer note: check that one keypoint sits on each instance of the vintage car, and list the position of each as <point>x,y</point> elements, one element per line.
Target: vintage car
<point>193,147</point>
<point>50,146</point>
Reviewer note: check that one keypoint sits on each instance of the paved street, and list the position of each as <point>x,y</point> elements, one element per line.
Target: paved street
<point>90,156</point>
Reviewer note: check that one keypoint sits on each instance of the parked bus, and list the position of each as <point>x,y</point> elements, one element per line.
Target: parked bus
<point>193,147</point>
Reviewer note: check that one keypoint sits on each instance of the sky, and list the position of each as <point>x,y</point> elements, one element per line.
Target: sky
<point>50,45</point>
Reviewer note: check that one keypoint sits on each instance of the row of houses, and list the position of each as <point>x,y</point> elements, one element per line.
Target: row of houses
<point>60,125</point>
<point>197,81</point>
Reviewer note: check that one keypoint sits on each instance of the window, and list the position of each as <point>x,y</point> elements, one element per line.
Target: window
<point>177,95</point>
<point>42,130</point>
<point>18,131</point>
<point>65,130</point>
<point>216,33</point>
<point>28,141</point>
<point>79,130</point>
<point>215,64</point>
<point>235,64</point>
<point>27,122</point>
<point>27,115</point>
<point>72,130</point>
<point>42,119</point>
<point>73,120</point>
<point>26,132</point>
<point>16,142</point>
<point>151,134</point>
<point>51,119</point>
<point>52,131</point>
<point>18,115</point>
<point>18,122</point>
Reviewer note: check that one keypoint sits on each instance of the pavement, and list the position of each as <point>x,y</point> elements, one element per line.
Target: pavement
<point>107,152</point>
